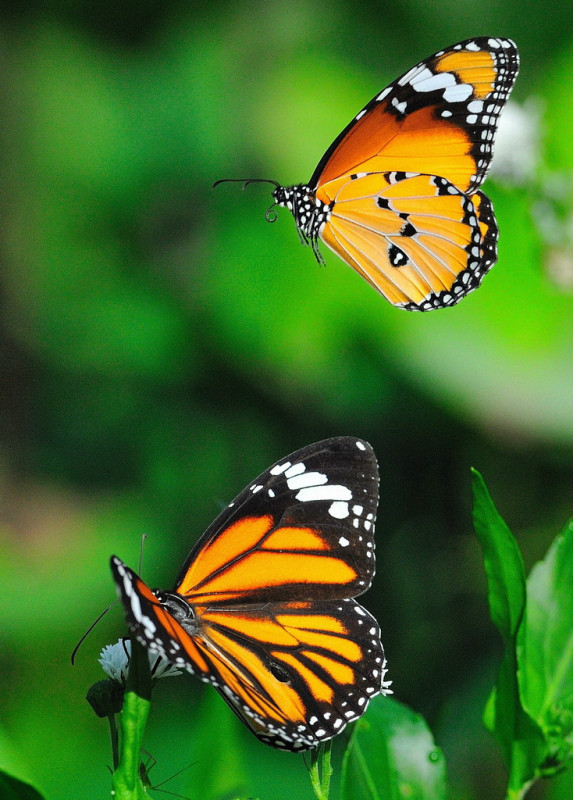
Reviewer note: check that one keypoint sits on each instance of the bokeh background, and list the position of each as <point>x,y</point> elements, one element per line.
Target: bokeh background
<point>161,344</point>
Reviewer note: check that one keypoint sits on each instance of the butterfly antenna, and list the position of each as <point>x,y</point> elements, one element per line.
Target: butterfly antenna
<point>270,214</point>
<point>247,181</point>
<point>141,546</point>
<point>90,629</point>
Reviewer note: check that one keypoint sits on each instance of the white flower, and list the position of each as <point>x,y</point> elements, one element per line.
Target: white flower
<point>114,659</point>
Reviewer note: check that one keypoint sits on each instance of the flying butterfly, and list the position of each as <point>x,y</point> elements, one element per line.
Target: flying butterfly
<point>263,607</point>
<point>396,194</point>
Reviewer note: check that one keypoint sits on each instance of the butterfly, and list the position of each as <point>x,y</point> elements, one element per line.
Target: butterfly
<point>263,606</point>
<point>396,195</point>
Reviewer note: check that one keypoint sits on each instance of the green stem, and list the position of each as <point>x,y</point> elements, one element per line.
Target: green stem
<point>114,740</point>
<point>320,770</point>
<point>126,779</point>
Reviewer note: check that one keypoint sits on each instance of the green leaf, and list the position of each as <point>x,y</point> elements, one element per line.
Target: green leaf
<point>545,648</point>
<point>502,561</point>
<point>520,738</point>
<point>392,755</point>
<point>14,789</point>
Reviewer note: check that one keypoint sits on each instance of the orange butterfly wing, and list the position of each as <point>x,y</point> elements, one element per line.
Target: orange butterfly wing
<point>438,242</point>
<point>439,118</point>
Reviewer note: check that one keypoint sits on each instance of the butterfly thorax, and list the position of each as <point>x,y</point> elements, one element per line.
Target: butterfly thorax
<point>310,213</point>
<point>180,610</point>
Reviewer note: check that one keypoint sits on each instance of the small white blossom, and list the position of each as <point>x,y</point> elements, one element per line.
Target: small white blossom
<point>114,659</point>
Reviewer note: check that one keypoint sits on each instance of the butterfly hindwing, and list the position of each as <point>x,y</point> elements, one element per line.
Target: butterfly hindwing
<point>296,673</point>
<point>263,607</point>
<point>416,238</point>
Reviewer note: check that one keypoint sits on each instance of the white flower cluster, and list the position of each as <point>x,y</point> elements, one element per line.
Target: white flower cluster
<point>115,658</point>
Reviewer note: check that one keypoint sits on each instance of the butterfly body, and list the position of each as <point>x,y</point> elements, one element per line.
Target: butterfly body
<point>396,195</point>
<point>263,607</point>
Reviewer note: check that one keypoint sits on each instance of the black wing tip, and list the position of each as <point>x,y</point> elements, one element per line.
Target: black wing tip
<point>341,443</point>
<point>503,43</point>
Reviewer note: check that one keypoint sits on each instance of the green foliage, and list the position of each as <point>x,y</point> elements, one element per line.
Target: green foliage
<point>545,651</point>
<point>320,770</point>
<point>392,755</point>
<point>530,710</point>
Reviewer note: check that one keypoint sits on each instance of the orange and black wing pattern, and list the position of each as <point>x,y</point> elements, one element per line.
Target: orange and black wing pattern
<point>263,607</point>
<point>396,194</point>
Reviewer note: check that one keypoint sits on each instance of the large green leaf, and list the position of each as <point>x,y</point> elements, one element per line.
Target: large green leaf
<point>545,647</point>
<point>502,561</point>
<point>392,755</point>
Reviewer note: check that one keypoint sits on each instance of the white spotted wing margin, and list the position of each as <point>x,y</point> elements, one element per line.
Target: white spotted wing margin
<point>263,609</point>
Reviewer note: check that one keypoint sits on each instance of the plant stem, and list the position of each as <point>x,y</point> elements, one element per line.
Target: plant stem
<point>114,740</point>
<point>126,779</point>
<point>320,770</point>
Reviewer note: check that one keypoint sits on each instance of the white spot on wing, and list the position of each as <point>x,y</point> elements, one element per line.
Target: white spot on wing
<point>278,469</point>
<point>326,492</point>
<point>296,469</point>
<point>431,82</point>
<point>458,93</point>
<point>306,479</point>
<point>383,94</point>
<point>339,510</point>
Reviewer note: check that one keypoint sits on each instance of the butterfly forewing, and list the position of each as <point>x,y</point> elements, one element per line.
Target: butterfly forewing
<point>306,524</point>
<point>439,118</point>
<point>263,607</point>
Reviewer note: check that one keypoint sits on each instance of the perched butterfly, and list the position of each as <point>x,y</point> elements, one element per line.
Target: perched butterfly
<point>263,606</point>
<point>396,194</point>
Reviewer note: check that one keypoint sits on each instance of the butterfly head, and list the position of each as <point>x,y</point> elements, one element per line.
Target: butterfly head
<point>180,610</point>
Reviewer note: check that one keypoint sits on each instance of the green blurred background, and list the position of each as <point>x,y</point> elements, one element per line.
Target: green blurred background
<point>161,344</point>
